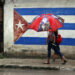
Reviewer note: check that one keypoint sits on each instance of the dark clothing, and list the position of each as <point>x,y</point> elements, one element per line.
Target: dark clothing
<point>51,36</point>
<point>55,47</point>
<point>57,50</point>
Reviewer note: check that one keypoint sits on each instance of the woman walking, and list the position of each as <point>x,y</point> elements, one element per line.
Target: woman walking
<point>52,44</point>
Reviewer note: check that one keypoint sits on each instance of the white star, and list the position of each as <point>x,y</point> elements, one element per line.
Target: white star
<point>19,25</point>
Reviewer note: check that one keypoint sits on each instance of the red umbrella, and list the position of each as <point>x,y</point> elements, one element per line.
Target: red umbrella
<point>46,22</point>
<point>58,17</point>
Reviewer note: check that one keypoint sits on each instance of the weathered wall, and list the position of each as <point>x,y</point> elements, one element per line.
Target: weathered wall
<point>28,13</point>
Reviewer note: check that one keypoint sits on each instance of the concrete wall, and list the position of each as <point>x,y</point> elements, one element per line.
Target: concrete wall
<point>68,32</point>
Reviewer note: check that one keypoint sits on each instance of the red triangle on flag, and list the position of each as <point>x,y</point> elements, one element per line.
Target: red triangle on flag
<point>20,26</point>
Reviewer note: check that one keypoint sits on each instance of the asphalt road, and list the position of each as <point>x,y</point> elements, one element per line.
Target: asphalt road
<point>34,72</point>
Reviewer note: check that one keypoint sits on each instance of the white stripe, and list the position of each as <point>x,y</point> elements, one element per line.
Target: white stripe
<point>32,33</point>
<point>67,18</point>
<point>64,33</point>
<point>67,33</point>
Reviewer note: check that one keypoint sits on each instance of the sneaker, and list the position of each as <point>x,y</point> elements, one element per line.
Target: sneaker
<point>46,62</point>
<point>65,61</point>
<point>53,60</point>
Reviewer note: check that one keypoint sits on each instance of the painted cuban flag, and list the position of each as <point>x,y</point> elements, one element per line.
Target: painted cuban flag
<point>27,36</point>
<point>20,26</point>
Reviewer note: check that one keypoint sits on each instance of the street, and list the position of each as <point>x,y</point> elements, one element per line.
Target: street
<point>34,72</point>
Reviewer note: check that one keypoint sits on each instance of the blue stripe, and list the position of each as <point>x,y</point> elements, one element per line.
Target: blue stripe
<point>67,26</point>
<point>42,41</point>
<point>38,11</point>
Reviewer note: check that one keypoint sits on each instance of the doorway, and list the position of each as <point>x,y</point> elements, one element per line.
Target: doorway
<point>1,27</point>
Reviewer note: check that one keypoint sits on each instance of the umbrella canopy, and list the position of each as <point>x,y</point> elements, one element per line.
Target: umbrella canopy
<point>46,22</point>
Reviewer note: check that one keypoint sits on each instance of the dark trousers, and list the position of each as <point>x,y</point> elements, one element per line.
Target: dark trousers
<point>56,49</point>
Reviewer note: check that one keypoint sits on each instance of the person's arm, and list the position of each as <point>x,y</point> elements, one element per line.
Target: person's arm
<point>54,39</point>
<point>47,39</point>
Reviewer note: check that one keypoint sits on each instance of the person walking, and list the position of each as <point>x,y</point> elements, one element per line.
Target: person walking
<point>51,41</point>
<point>58,52</point>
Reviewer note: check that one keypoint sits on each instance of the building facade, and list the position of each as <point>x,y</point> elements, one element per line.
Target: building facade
<point>19,14</point>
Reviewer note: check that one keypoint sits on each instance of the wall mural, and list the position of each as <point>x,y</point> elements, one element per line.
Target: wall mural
<point>20,26</point>
<point>24,16</point>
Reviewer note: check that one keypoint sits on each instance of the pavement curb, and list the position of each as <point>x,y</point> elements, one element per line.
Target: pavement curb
<point>36,67</point>
<point>29,67</point>
<point>36,64</point>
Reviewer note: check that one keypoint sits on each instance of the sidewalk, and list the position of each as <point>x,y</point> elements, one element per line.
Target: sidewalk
<point>36,64</point>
